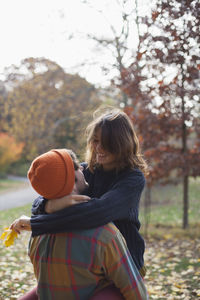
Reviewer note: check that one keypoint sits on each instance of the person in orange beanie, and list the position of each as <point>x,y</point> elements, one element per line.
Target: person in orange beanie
<point>75,265</point>
<point>52,174</point>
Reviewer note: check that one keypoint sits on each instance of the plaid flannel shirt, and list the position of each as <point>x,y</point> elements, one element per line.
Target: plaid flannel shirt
<point>73,265</point>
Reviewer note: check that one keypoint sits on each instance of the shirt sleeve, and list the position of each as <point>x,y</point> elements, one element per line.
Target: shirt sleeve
<point>122,271</point>
<point>121,200</point>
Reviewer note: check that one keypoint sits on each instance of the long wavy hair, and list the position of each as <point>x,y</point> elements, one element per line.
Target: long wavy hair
<point>117,137</point>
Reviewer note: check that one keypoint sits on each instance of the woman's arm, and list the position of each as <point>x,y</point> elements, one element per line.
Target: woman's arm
<point>42,206</point>
<point>61,203</point>
<point>113,205</point>
<point>23,223</point>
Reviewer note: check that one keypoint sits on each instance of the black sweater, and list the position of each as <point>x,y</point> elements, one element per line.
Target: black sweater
<point>115,198</point>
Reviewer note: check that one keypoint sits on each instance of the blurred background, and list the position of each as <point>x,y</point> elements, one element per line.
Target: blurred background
<point>61,60</point>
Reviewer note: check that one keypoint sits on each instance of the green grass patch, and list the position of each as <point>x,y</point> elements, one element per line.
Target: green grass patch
<point>8,184</point>
<point>8,216</point>
<point>162,231</point>
<point>17,276</point>
<point>167,204</point>
<point>183,264</point>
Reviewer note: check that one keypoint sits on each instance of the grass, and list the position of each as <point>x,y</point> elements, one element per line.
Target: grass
<point>16,271</point>
<point>167,207</point>
<point>172,260</point>
<point>8,185</point>
<point>8,216</point>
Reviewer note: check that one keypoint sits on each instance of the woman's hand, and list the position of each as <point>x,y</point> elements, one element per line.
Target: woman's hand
<point>58,204</point>
<point>23,223</point>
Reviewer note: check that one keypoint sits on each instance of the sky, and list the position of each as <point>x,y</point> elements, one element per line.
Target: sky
<point>44,28</point>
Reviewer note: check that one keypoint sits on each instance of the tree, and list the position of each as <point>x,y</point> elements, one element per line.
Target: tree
<point>47,108</point>
<point>119,41</point>
<point>168,118</point>
<point>2,97</point>
<point>10,151</point>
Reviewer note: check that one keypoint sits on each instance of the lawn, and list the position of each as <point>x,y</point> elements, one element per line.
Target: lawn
<point>16,270</point>
<point>167,204</point>
<point>8,185</point>
<point>172,254</point>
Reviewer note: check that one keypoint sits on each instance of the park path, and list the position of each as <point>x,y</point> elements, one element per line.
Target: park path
<point>18,197</point>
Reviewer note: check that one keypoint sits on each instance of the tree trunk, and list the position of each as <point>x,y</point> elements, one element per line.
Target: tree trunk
<point>185,180</point>
<point>184,152</point>
<point>147,209</point>
<point>185,202</point>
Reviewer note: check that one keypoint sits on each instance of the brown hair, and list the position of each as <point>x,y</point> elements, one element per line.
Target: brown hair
<point>74,159</point>
<point>118,137</point>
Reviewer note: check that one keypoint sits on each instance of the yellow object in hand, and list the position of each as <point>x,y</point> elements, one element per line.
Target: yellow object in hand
<point>8,237</point>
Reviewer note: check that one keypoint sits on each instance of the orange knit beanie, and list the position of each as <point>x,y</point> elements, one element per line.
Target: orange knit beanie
<point>52,174</point>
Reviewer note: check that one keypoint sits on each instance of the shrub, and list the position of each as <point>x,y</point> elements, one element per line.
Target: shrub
<point>10,151</point>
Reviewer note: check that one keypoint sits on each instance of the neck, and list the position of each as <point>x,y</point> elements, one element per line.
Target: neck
<point>108,167</point>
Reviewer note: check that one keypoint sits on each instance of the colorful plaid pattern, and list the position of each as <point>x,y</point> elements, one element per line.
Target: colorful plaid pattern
<point>73,265</point>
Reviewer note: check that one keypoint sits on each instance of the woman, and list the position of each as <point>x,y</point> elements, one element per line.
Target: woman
<point>115,172</point>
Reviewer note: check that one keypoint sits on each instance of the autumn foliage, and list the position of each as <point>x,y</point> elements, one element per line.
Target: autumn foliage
<point>45,107</point>
<point>163,85</point>
<point>10,151</point>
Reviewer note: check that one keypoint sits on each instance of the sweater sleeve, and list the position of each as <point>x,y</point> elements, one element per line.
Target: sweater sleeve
<point>115,204</point>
